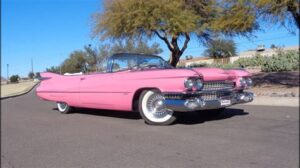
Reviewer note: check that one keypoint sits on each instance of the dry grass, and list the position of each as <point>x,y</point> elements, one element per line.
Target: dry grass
<point>15,89</point>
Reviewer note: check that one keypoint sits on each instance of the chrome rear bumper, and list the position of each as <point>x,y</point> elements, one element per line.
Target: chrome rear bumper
<point>197,103</point>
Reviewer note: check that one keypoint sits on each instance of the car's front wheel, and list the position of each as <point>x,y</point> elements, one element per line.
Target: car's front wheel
<point>63,107</point>
<point>153,110</point>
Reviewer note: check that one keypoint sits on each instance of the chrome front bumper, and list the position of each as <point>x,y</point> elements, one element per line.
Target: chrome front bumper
<point>197,103</point>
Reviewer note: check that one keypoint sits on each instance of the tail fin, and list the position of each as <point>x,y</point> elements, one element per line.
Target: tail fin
<point>48,75</point>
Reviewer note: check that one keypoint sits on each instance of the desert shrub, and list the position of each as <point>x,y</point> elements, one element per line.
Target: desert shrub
<point>197,65</point>
<point>180,66</point>
<point>14,79</point>
<point>294,59</point>
<point>30,75</point>
<point>37,75</point>
<point>257,60</point>
<point>215,65</point>
<point>243,62</point>
<point>225,66</point>
<point>283,61</point>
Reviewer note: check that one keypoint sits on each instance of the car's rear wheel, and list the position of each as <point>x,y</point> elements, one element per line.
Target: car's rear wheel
<point>63,107</point>
<point>153,110</point>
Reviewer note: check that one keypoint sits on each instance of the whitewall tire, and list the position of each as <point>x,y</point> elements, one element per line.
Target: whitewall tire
<point>63,107</point>
<point>152,109</point>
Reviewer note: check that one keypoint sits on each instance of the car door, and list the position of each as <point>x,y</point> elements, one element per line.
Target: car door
<point>95,91</point>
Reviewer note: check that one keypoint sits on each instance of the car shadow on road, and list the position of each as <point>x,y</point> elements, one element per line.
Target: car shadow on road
<point>185,118</point>
<point>191,118</point>
<point>107,113</point>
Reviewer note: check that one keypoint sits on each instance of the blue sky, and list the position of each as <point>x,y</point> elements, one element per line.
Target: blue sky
<point>47,31</point>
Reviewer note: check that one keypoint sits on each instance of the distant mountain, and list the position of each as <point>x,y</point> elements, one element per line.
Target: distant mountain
<point>3,79</point>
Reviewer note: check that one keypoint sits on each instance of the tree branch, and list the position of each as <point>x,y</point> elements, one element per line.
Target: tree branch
<point>187,39</point>
<point>293,10</point>
<point>164,38</point>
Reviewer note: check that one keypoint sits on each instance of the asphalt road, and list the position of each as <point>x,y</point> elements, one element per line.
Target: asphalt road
<point>35,135</point>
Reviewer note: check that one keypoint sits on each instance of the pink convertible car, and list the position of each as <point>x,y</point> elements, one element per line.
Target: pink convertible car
<point>148,84</point>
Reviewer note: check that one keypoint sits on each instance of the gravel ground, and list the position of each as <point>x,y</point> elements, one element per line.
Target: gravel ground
<point>276,91</point>
<point>276,84</point>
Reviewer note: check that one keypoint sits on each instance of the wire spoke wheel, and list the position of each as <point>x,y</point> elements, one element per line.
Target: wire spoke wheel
<point>154,110</point>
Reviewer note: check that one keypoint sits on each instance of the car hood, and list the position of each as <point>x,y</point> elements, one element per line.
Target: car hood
<point>159,73</point>
<point>209,74</point>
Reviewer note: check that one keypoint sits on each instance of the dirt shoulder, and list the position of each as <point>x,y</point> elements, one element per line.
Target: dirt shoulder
<point>276,84</point>
<point>8,90</point>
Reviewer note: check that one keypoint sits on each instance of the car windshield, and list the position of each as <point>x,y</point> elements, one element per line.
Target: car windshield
<point>138,62</point>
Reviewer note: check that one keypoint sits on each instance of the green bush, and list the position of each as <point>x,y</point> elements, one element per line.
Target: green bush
<point>257,60</point>
<point>287,61</point>
<point>14,78</point>
<point>37,75</point>
<point>197,65</point>
<point>30,75</point>
<point>282,61</point>
<point>225,66</point>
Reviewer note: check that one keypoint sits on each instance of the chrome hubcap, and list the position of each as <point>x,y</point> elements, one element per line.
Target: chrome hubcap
<point>156,106</point>
<point>62,106</point>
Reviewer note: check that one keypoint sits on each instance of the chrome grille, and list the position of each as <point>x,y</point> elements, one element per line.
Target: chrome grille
<point>173,96</point>
<point>209,97</point>
<point>215,96</point>
<point>218,85</point>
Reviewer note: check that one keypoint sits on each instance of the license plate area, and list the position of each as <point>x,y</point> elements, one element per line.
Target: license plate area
<point>225,102</point>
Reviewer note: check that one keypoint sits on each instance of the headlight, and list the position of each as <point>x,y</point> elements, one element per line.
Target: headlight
<point>193,83</point>
<point>198,84</point>
<point>189,83</point>
<point>249,82</point>
<point>243,82</point>
<point>246,82</point>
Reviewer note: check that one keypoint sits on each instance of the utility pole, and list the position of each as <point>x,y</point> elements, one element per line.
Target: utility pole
<point>31,65</point>
<point>7,80</point>
<point>60,65</point>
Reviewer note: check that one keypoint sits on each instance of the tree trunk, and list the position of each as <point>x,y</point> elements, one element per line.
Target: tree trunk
<point>172,45</point>
<point>297,19</point>
<point>174,58</point>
